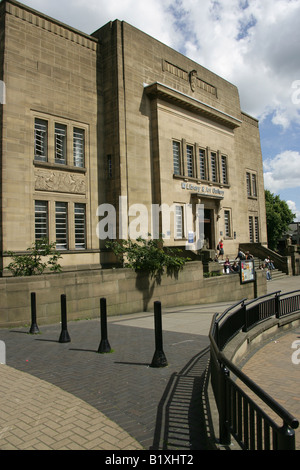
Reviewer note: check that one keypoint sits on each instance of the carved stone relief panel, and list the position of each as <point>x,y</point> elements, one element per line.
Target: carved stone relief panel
<point>59,181</point>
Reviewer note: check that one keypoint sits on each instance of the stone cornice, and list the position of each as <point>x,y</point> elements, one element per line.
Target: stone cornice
<point>47,23</point>
<point>189,103</point>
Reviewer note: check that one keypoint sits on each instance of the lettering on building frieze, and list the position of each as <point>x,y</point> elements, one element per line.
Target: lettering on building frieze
<point>205,190</point>
<point>60,182</point>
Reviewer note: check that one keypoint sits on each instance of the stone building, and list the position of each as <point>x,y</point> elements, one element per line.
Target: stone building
<point>116,119</point>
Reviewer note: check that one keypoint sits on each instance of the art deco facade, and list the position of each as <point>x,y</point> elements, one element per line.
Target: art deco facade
<point>88,119</point>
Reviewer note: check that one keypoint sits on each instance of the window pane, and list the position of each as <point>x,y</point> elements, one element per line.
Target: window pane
<point>248,184</point>
<point>78,147</point>
<point>256,229</point>
<point>80,226</point>
<point>40,140</point>
<point>176,158</point>
<point>227,223</point>
<point>61,223</point>
<point>189,158</point>
<point>202,164</point>
<point>60,143</point>
<point>41,219</point>
<point>178,222</point>
<point>254,191</point>
<point>251,229</point>
<point>224,170</point>
<point>214,167</point>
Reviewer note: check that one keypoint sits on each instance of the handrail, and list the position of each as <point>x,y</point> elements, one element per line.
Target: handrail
<point>225,365</point>
<point>279,410</point>
<point>262,297</point>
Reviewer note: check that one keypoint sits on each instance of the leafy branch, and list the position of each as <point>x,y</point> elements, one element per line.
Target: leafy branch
<point>31,263</point>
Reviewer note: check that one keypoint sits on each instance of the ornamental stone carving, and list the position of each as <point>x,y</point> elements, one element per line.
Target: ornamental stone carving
<point>62,182</point>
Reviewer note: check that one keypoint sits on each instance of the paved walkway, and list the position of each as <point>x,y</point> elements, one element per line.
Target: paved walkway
<point>67,396</point>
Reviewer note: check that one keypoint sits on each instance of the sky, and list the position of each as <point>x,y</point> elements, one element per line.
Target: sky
<point>254,44</point>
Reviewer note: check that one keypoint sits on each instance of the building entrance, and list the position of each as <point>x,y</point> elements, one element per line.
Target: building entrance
<point>209,229</point>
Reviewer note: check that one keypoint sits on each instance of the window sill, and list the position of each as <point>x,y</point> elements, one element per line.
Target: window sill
<point>59,166</point>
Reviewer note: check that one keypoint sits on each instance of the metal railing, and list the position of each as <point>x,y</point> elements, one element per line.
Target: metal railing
<point>239,414</point>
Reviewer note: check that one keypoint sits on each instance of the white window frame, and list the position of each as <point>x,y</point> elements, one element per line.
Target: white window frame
<point>61,225</point>
<point>41,227</point>
<point>176,157</point>
<point>179,222</point>
<point>224,167</point>
<point>190,160</point>
<point>213,166</point>
<point>79,147</point>
<point>40,140</point>
<point>202,164</point>
<point>60,143</point>
<point>80,226</point>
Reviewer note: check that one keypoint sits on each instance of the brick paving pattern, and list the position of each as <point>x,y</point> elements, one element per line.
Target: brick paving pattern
<point>67,396</point>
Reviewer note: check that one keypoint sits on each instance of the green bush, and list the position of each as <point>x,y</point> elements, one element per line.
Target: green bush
<point>31,263</point>
<point>148,256</point>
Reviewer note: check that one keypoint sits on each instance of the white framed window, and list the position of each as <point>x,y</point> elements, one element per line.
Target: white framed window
<point>254,188</point>
<point>251,233</point>
<point>227,223</point>
<point>80,226</point>
<point>224,169</point>
<point>41,219</point>
<point>60,135</point>
<point>189,160</point>
<point>40,140</point>
<point>248,181</point>
<point>202,164</point>
<point>78,147</point>
<point>61,225</point>
<point>213,161</point>
<point>256,229</point>
<point>179,230</point>
<point>251,181</point>
<point>176,157</point>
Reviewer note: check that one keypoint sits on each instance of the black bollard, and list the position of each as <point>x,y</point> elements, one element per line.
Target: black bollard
<point>34,328</point>
<point>104,346</point>
<point>64,335</point>
<point>159,358</point>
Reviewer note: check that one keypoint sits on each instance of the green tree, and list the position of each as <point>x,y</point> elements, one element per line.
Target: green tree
<point>279,217</point>
<point>148,256</point>
<point>39,256</point>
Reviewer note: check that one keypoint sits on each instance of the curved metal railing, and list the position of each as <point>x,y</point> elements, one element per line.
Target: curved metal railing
<point>239,414</point>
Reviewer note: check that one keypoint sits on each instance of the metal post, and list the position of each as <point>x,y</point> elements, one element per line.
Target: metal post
<point>64,335</point>
<point>223,407</point>
<point>286,438</point>
<point>104,346</point>
<point>277,305</point>
<point>34,328</point>
<point>159,358</point>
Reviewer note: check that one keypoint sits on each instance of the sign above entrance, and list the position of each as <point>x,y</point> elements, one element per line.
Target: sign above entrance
<point>204,190</point>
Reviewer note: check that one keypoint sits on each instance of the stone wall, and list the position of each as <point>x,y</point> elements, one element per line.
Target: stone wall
<point>125,291</point>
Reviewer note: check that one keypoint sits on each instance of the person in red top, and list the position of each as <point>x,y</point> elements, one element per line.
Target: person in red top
<point>221,249</point>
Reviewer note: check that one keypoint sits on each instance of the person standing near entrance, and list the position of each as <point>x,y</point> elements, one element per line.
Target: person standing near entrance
<point>221,249</point>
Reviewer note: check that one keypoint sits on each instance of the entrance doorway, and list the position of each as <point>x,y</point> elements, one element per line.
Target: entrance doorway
<point>209,229</point>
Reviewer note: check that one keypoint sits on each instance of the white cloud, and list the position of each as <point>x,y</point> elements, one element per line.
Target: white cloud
<point>252,43</point>
<point>292,206</point>
<point>283,171</point>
